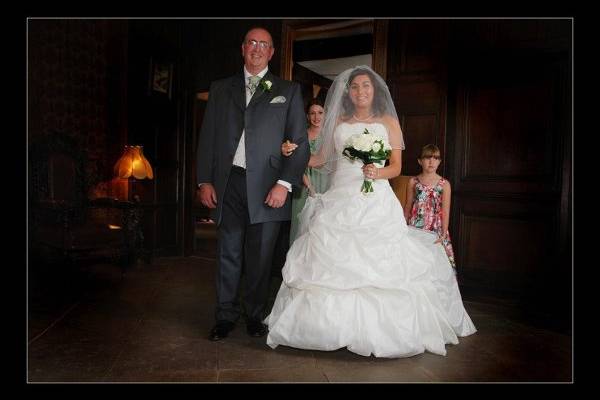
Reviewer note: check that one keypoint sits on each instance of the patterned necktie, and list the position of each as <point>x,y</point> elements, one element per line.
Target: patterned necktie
<point>252,84</point>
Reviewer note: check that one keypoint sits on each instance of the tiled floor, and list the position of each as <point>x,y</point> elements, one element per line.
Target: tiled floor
<point>152,326</point>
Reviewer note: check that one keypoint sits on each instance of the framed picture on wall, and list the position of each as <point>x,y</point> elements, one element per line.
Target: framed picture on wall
<point>161,77</point>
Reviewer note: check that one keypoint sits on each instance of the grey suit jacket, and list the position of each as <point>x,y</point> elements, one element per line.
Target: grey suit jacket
<point>266,126</point>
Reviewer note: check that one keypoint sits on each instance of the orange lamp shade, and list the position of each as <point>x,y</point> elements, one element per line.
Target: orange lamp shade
<point>133,164</point>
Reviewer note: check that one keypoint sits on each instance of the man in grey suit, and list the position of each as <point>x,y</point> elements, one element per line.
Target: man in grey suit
<point>244,180</point>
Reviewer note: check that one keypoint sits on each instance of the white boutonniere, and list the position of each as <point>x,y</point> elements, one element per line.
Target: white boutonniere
<point>266,85</point>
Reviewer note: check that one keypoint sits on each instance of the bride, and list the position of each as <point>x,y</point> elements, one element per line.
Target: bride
<point>357,276</point>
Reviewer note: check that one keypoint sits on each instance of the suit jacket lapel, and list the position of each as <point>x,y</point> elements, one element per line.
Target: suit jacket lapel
<point>259,90</point>
<point>238,91</point>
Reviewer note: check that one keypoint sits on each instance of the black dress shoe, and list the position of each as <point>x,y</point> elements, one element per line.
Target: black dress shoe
<point>221,330</point>
<point>256,328</point>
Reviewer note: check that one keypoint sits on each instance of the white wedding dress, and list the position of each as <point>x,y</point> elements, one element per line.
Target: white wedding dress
<point>358,277</point>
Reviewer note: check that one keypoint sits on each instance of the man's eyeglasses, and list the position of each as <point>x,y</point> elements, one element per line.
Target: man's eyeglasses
<point>253,43</point>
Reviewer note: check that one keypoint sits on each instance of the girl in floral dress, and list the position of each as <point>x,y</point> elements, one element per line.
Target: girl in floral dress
<point>428,202</point>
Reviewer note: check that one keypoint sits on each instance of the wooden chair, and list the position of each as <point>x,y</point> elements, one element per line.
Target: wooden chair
<point>400,186</point>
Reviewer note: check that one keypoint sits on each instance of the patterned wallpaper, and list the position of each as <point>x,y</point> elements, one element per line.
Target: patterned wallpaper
<point>67,78</point>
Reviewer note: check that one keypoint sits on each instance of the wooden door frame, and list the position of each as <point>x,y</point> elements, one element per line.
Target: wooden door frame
<point>291,30</point>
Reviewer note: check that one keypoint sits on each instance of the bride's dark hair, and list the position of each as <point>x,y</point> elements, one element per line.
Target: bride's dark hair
<point>378,107</point>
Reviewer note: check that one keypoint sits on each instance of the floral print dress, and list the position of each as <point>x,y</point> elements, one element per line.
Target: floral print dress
<point>426,212</point>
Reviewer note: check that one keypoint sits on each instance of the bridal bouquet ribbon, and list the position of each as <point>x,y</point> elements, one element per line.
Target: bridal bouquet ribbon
<point>370,149</point>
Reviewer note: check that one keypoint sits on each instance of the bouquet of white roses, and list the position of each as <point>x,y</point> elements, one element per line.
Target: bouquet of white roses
<point>368,148</point>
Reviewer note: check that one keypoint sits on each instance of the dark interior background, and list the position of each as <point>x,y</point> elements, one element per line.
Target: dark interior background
<point>494,94</point>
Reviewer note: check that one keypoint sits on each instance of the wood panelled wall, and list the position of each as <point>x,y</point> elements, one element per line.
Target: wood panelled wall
<point>156,121</point>
<point>495,95</point>
<point>416,76</point>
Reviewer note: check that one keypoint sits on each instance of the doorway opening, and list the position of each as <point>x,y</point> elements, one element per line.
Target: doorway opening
<point>314,52</point>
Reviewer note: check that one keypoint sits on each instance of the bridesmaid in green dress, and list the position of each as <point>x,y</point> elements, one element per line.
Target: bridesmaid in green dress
<point>312,179</point>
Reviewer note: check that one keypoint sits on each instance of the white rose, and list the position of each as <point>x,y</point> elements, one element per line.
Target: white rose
<point>376,147</point>
<point>356,141</point>
<point>365,143</point>
<point>350,142</point>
